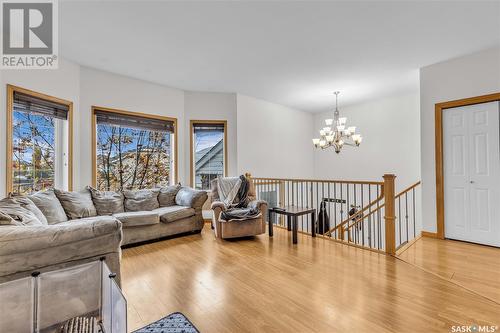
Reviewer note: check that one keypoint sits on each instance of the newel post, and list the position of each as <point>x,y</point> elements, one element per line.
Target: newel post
<point>390,214</point>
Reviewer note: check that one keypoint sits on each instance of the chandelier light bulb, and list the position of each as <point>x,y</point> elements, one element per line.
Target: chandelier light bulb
<point>315,142</point>
<point>328,122</point>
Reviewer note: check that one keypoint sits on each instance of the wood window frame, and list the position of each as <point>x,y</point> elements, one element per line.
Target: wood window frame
<point>11,89</point>
<point>129,113</point>
<point>438,116</point>
<point>192,123</point>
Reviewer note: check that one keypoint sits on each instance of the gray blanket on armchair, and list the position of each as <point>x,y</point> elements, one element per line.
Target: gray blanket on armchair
<point>238,209</point>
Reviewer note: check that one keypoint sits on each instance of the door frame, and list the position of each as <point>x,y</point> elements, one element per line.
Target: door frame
<point>438,114</point>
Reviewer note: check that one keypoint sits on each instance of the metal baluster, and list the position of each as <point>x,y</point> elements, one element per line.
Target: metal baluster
<point>348,209</point>
<point>319,208</point>
<point>399,220</point>
<point>335,205</point>
<point>341,204</point>
<point>406,215</point>
<point>414,215</point>
<point>363,222</point>
<point>369,216</point>
<point>378,218</point>
<point>329,211</point>
<point>302,205</point>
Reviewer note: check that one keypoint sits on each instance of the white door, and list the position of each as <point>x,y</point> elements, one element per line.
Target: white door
<point>471,160</point>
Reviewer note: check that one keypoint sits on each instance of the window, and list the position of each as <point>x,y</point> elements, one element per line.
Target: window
<point>39,141</point>
<point>133,150</point>
<point>208,152</point>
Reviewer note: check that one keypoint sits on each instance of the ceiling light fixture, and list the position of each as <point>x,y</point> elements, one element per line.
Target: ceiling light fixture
<point>336,134</point>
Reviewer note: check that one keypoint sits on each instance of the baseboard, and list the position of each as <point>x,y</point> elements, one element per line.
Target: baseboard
<point>429,234</point>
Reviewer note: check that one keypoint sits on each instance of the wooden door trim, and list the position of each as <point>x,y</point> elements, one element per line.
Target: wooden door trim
<point>438,115</point>
<point>93,120</point>
<point>11,89</point>
<point>192,123</point>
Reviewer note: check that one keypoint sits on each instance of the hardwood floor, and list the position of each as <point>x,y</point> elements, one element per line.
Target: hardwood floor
<point>473,266</point>
<point>269,285</point>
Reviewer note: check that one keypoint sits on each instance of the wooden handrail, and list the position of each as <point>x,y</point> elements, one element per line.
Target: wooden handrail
<point>321,180</point>
<point>408,189</point>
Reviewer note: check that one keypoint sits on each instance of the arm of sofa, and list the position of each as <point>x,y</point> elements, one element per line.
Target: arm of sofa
<point>28,248</point>
<point>18,239</point>
<point>191,198</point>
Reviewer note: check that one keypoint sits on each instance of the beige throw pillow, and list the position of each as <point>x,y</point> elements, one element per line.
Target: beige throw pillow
<point>50,206</point>
<point>107,202</point>
<point>137,200</point>
<point>167,194</point>
<point>77,205</point>
<point>18,214</point>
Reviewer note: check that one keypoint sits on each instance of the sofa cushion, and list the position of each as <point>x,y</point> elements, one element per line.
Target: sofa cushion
<point>167,194</point>
<point>140,200</point>
<point>174,213</point>
<point>191,198</point>
<point>50,206</point>
<point>19,214</point>
<point>107,202</point>
<point>5,219</point>
<point>29,205</point>
<point>134,219</point>
<point>76,204</point>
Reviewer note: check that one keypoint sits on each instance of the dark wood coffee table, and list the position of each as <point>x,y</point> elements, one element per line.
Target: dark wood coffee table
<point>291,213</point>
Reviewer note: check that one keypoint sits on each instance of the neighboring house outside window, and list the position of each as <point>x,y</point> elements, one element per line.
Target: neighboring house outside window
<point>40,142</point>
<point>133,151</point>
<point>209,148</point>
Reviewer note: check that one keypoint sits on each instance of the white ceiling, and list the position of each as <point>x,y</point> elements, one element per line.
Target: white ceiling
<point>292,53</point>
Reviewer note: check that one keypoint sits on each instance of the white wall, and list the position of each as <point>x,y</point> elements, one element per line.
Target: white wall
<point>472,75</point>
<point>115,91</point>
<point>62,83</point>
<point>390,130</point>
<point>273,140</point>
<point>211,106</point>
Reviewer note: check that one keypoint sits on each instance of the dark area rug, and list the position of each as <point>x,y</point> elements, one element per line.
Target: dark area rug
<point>173,323</point>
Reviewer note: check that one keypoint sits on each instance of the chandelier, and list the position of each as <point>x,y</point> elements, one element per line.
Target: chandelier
<point>336,134</point>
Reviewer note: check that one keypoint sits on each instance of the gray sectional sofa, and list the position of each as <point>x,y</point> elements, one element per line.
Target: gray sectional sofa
<point>56,229</point>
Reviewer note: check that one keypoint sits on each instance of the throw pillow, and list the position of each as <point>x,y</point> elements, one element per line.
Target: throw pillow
<point>17,213</point>
<point>166,197</point>
<point>50,206</point>
<point>137,200</point>
<point>5,219</point>
<point>29,205</point>
<point>107,202</point>
<point>76,204</point>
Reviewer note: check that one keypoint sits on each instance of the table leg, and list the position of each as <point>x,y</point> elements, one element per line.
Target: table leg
<point>288,222</point>
<point>294,231</point>
<point>270,224</point>
<point>313,224</point>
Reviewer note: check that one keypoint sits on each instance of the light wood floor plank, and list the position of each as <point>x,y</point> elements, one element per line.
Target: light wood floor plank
<point>270,285</point>
<point>473,266</point>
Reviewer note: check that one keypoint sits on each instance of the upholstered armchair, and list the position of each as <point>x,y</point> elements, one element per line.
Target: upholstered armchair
<point>239,228</point>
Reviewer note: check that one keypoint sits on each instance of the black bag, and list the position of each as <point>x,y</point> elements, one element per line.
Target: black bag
<point>323,221</point>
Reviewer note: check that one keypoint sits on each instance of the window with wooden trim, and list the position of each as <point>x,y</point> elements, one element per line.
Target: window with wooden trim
<point>133,150</point>
<point>39,141</point>
<point>208,152</point>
